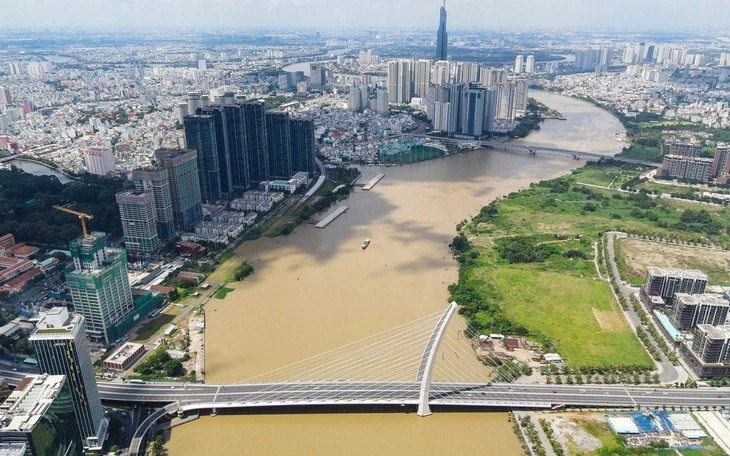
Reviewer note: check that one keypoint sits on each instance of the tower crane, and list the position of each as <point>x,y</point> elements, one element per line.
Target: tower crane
<point>81,215</point>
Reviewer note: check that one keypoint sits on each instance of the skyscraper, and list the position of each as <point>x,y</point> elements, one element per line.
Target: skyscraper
<point>224,154</point>
<point>530,64</point>
<point>302,145</point>
<point>99,160</point>
<point>99,285</point>
<point>455,97</point>
<point>518,64</point>
<point>316,75</point>
<point>201,135</point>
<point>278,145</point>
<point>182,172</point>
<point>137,212</point>
<point>234,128</point>
<point>400,81</point>
<point>254,134</point>
<point>422,78</point>
<point>381,101</point>
<point>442,37</point>
<point>61,347</point>
<point>155,182</point>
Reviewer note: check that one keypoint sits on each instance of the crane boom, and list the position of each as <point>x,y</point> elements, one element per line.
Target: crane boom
<point>81,215</point>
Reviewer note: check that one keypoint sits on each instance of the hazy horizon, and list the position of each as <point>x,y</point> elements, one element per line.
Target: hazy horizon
<point>464,15</point>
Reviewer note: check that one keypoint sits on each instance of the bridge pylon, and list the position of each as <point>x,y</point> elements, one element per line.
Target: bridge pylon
<point>425,368</point>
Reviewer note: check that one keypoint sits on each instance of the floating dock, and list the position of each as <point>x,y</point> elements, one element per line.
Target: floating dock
<point>373,181</point>
<point>331,217</point>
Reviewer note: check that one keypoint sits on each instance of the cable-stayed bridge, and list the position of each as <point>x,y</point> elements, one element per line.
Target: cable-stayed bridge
<point>424,363</point>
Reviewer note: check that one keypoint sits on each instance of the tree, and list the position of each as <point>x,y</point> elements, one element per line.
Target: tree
<point>173,295</point>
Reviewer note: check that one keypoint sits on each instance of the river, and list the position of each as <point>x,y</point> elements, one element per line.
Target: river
<point>315,290</point>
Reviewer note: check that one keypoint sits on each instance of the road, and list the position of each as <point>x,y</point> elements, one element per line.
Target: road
<point>668,372</point>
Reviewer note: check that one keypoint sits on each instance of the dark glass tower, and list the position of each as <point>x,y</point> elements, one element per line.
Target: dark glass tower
<point>278,145</point>
<point>201,135</point>
<point>442,37</point>
<point>236,141</point>
<point>302,145</point>
<point>254,134</point>
<point>224,152</point>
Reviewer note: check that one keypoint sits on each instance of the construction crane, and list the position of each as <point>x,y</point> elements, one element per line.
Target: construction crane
<point>81,215</point>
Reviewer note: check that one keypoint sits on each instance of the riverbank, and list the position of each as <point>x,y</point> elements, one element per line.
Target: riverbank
<point>320,288</point>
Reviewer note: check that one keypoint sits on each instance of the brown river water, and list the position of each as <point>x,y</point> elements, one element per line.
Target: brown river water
<point>316,290</point>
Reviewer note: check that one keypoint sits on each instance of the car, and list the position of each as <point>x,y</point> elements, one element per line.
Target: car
<point>582,391</point>
<point>605,393</point>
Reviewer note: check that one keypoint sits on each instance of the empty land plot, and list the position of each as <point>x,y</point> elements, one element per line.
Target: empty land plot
<point>638,255</point>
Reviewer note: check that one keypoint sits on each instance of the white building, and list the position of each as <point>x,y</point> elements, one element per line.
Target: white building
<point>518,64</point>
<point>99,160</point>
<point>530,64</point>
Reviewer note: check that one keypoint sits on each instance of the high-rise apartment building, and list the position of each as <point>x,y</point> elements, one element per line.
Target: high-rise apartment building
<point>712,343</point>
<point>530,64</point>
<point>182,171</point>
<point>381,101</point>
<point>254,127</point>
<point>37,419</point>
<point>137,212</point>
<point>422,78</point>
<point>518,64</point>
<point>442,73</point>
<point>316,75</point>
<point>684,167</point>
<point>99,285</point>
<point>691,310</point>
<point>442,37</point>
<point>466,72</point>
<point>303,147</point>
<point>400,81</point>
<point>685,149</point>
<point>278,145</point>
<point>491,77</point>
<point>721,164</point>
<point>99,160</point>
<point>441,116</point>
<point>156,183</point>
<point>456,92</point>
<point>219,115</point>
<point>473,112</point>
<point>201,136</point>
<point>61,348</point>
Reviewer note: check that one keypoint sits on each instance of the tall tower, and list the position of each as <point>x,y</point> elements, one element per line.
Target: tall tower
<point>442,37</point>
<point>254,134</point>
<point>200,134</point>
<point>60,344</point>
<point>278,145</point>
<point>182,173</point>
<point>137,212</point>
<point>155,182</point>
<point>302,145</point>
<point>99,285</point>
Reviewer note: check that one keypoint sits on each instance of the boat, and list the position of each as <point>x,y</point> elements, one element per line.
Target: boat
<point>365,244</point>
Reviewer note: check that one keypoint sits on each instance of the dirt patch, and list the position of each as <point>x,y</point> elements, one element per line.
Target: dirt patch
<point>640,255</point>
<point>570,435</point>
<point>609,320</point>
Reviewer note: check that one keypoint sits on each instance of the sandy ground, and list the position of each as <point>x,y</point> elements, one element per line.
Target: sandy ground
<point>717,426</point>
<point>640,255</point>
<point>569,434</point>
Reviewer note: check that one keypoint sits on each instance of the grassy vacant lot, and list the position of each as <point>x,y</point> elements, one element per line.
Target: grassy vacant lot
<point>527,262</point>
<point>226,269</point>
<point>150,328</point>
<point>609,176</point>
<point>637,255</point>
<point>417,154</point>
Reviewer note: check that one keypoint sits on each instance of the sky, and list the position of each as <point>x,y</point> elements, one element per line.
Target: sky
<point>367,14</point>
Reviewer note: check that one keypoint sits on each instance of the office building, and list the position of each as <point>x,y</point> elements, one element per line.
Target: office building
<point>456,92</point>
<point>99,285</point>
<point>684,167</point>
<point>61,347</point>
<point>316,75</point>
<point>99,160</point>
<point>156,183</point>
<point>303,149</point>
<point>137,212</point>
<point>254,134</point>
<point>278,145</point>
<point>201,136</point>
<point>473,112</point>
<point>182,171</point>
<point>691,310</point>
<point>442,37</point>
<point>530,64</point>
<point>400,81</point>
<point>664,283</point>
<point>422,78</point>
<point>38,419</point>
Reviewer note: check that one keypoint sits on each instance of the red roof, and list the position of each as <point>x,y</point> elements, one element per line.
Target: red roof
<point>5,237</point>
<point>24,277</point>
<point>25,250</point>
<point>161,289</point>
